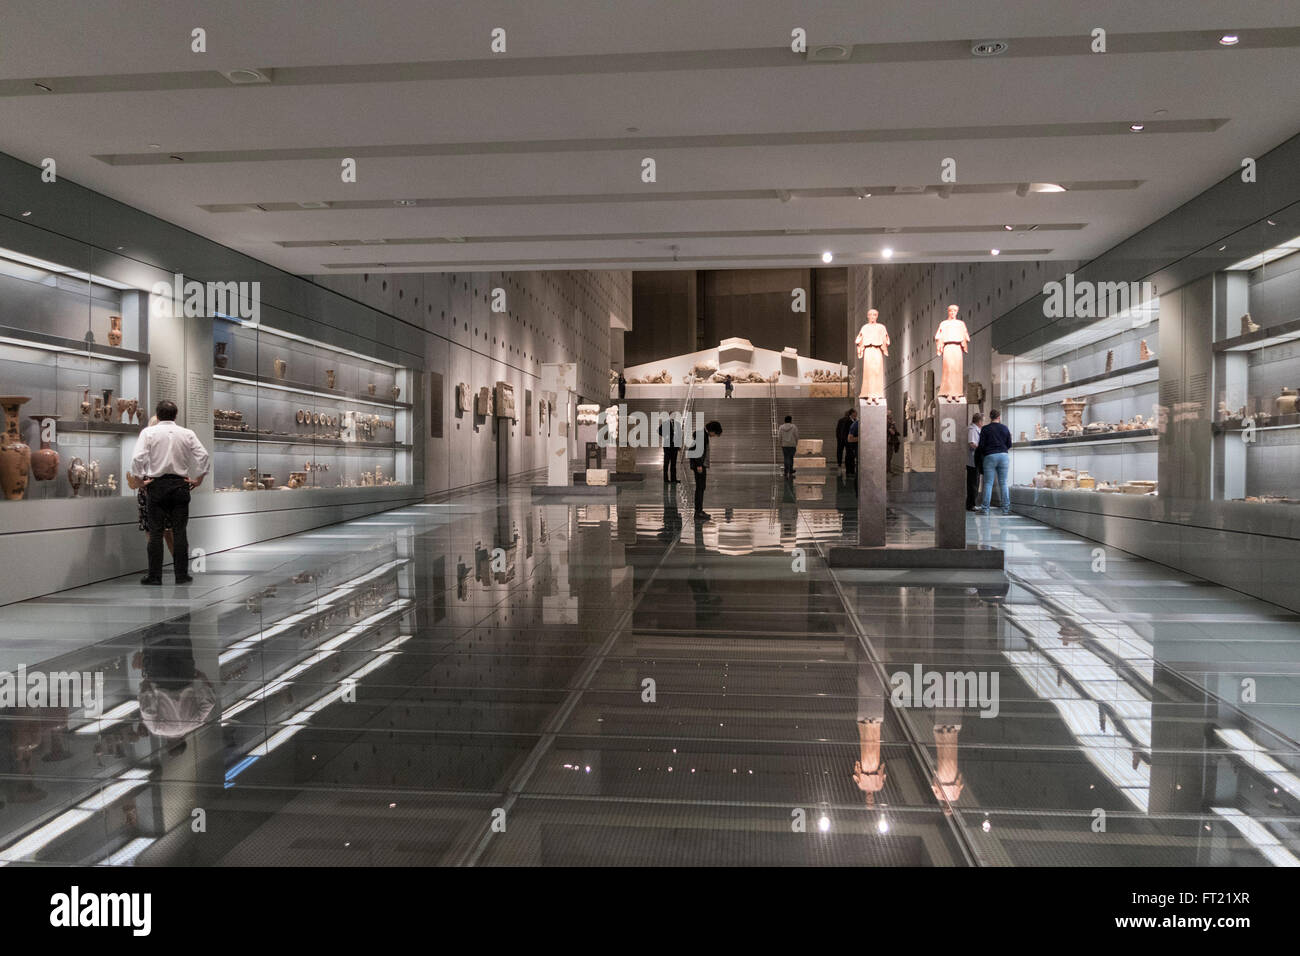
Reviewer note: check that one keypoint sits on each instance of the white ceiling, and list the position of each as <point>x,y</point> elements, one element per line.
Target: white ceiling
<point>482,134</point>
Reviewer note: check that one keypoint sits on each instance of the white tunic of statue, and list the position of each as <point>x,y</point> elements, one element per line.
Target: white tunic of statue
<point>873,346</point>
<point>950,342</point>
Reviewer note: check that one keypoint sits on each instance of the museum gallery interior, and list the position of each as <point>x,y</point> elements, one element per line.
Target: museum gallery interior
<point>841,435</point>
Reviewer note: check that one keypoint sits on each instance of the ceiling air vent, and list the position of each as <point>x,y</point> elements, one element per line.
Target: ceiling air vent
<point>990,47</point>
<point>247,77</point>
<point>828,52</point>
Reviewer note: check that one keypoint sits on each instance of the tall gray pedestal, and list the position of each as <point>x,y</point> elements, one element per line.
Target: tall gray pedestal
<point>950,454</point>
<point>871,474</point>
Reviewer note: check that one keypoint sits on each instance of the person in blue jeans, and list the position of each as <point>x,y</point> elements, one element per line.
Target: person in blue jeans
<point>995,446</point>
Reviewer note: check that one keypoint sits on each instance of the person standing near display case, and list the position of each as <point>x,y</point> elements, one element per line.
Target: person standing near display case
<point>842,437</point>
<point>170,461</point>
<point>973,461</point>
<point>995,446</point>
<point>142,500</point>
<point>851,446</point>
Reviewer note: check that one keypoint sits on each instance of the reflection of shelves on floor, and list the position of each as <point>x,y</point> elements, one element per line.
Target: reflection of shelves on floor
<point>298,388</point>
<point>58,343</point>
<point>1105,438</point>
<point>105,428</point>
<point>307,442</point>
<point>1260,339</point>
<point>1140,374</point>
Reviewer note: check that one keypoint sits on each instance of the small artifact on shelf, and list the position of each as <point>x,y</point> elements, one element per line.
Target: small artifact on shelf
<point>133,411</point>
<point>85,406</point>
<point>15,455</point>
<point>121,410</point>
<point>1065,374</point>
<point>1286,401</point>
<point>300,417</point>
<point>297,479</point>
<point>371,388</point>
<point>1144,353</point>
<point>1040,432</point>
<point>1024,389</point>
<point>1110,360</point>
<point>462,397</point>
<point>76,475</point>
<point>1248,325</point>
<point>107,411</point>
<point>45,460</point>
<point>1033,385</point>
<point>268,481</point>
<point>251,483</point>
<point>396,390</point>
<point>1024,436</point>
<point>115,330</point>
<point>281,368</point>
<point>220,359</point>
<point>329,378</point>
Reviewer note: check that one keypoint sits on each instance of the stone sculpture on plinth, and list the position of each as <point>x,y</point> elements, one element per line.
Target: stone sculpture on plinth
<point>950,342</point>
<point>873,346</point>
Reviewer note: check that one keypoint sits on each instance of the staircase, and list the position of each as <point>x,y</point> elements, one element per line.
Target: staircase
<point>747,433</point>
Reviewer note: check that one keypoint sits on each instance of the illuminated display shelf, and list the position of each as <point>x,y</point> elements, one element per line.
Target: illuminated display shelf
<point>1143,373</point>
<point>1104,438</point>
<point>236,377</point>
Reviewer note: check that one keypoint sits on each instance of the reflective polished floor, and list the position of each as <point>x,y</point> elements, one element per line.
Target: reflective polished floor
<point>491,680</point>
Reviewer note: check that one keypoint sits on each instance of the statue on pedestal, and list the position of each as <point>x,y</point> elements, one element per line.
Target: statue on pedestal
<point>873,346</point>
<point>950,341</point>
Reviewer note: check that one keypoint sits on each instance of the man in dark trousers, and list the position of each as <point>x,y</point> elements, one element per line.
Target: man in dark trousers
<point>973,463</point>
<point>670,439</point>
<point>622,386</point>
<point>842,436</point>
<point>700,466</point>
<point>169,461</point>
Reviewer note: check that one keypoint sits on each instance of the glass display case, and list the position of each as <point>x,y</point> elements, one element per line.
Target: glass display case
<point>73,380</point>
<point>1257,377</point>
<point>290,413</point>
<point>1083,407</point>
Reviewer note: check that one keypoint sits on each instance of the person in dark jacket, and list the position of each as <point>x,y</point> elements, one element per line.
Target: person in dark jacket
<point>851,446</point>
<point>842,436</point>
<point>700,466</point>
<point>995,449</point>
<point>622,386</point>
<point>892,441</point>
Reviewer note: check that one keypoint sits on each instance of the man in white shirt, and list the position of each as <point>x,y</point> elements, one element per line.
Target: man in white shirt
<point>169,460</point>
<point>972,469</point>
<point>789,435</point>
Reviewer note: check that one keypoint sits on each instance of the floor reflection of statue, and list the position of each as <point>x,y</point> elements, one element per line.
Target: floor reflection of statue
<point>869,768</point>
<point>950,341</point>
<point>948,782</point>
<point>873,346</point>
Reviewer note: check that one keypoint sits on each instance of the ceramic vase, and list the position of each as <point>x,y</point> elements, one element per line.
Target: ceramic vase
<point>15,455</point>
<point>281,368</point>
<point>106,412</point>
<point>45,460</point>
<point>115,330</point>
<point>329,378</point>
<point>85,405</point>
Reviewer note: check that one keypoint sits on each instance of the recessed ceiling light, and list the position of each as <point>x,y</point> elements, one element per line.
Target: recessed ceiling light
<point>887,252</point>
<point>861,192</point>
<point>1136,127</point>
<point>1223,247</point>
<point>1271,222</point>
<point>246,76</point>
<point>1046,187</point>
<point>828,52</point>
<point>405,202</point>
<point>1008,228</point>
<point>27,213</point>
<point>990,47</point>
<point>995,252</point>
<point>1160,112</point>
<point>1229,39</point>
<point>827,257</point>
<point>43,87</point>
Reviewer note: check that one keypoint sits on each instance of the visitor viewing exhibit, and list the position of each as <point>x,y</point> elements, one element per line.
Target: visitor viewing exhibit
<point>647,435</point>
